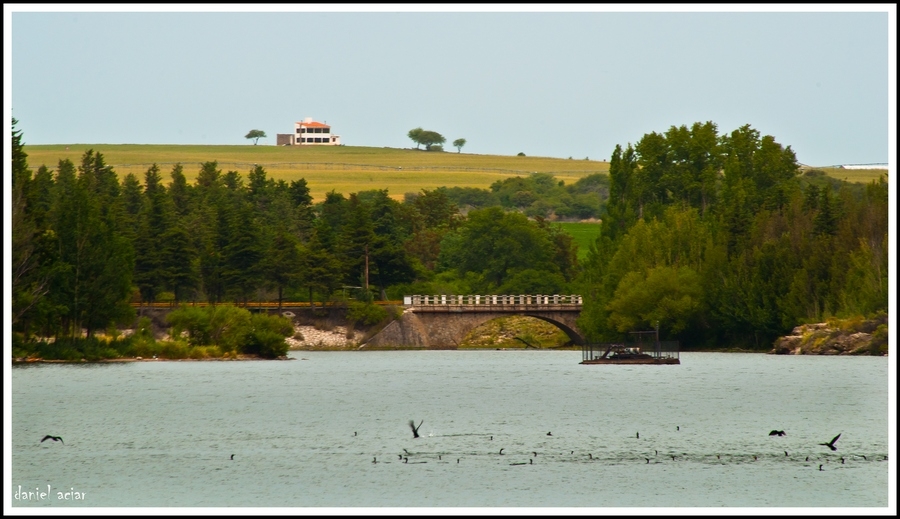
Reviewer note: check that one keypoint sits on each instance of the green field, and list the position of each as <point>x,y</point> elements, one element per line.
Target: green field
<point>345,169</point>
<point>855,175</point>
<point>584,233</point>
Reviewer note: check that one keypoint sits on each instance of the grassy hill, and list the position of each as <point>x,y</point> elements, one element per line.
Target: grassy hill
<point>345,169</point>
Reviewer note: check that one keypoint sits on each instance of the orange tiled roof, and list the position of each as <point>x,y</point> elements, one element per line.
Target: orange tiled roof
<point>313,124</point>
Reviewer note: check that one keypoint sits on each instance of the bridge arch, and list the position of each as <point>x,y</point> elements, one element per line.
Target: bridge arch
<point>469,326</point>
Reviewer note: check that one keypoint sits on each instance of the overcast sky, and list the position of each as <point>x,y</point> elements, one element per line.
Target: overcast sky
<point>554,84</point>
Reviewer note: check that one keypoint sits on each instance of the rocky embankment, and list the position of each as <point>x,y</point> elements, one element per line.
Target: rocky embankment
<point>312,338</point>
<point>837,337</point>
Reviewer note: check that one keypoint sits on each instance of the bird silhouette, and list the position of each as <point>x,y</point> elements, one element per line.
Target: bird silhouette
<point>820,467</point>
<point>374,460</point>
<point>785,453</point>
<point>776,433</point>
<point>548,434</point>
<point>830,444</point>
<point>637,435</point>
<point>501,451</point>
<point>415,430</point>
<point>54,438</point>
<point>232,456</point>
<point>648,460</point>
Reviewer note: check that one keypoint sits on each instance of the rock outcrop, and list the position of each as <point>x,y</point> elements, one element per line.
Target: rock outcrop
<point>836,337</point>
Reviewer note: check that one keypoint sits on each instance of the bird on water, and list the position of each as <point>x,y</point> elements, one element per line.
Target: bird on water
<point>830,444</point>
<point>54,438</point>
<point>232,456</point>
<point>776,433</point>
<point>415,430</point>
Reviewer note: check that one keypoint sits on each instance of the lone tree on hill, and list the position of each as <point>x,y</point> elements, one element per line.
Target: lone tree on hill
<point>427,138</point>
<point>430,138</point>
<point>458,144</point>
<point>414,135</point>
<point>255,134</point>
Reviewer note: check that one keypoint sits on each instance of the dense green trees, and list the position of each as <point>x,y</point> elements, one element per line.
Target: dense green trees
<point>723,242</point>
<point>716,237</point>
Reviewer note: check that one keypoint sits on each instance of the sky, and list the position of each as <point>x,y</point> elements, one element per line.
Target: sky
<point>555,81</point>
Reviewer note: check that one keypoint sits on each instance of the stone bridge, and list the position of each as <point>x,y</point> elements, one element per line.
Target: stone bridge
<point>443,321</point>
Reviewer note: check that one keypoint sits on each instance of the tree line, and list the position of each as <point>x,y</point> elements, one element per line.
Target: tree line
<point>88,244</point>
<point>715,239</point>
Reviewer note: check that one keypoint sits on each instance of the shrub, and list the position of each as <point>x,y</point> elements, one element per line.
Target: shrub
<point>192,319</point>
<point>366,314</point>
<point>520,154</point>
<point>265,343</point>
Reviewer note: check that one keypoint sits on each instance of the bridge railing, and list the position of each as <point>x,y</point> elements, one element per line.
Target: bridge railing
<point>484,300</point>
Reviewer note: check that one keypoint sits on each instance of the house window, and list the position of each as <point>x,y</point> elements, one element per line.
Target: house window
<point>326,130</point>
<point>299,130</point>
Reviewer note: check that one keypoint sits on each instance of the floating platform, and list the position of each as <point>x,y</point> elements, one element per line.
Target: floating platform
<point>655,352</point>
<point>632,359</point>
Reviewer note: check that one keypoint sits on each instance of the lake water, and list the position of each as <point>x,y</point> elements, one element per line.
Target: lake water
<point>305,432</point>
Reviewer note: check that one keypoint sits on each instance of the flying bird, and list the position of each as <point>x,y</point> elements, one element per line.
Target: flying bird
<point>415,430</point>
<point>54,438</point>
<point>776,433</point>
<point>830,444</point>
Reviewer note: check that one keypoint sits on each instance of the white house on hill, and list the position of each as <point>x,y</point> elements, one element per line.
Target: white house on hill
<point>309,132</point>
